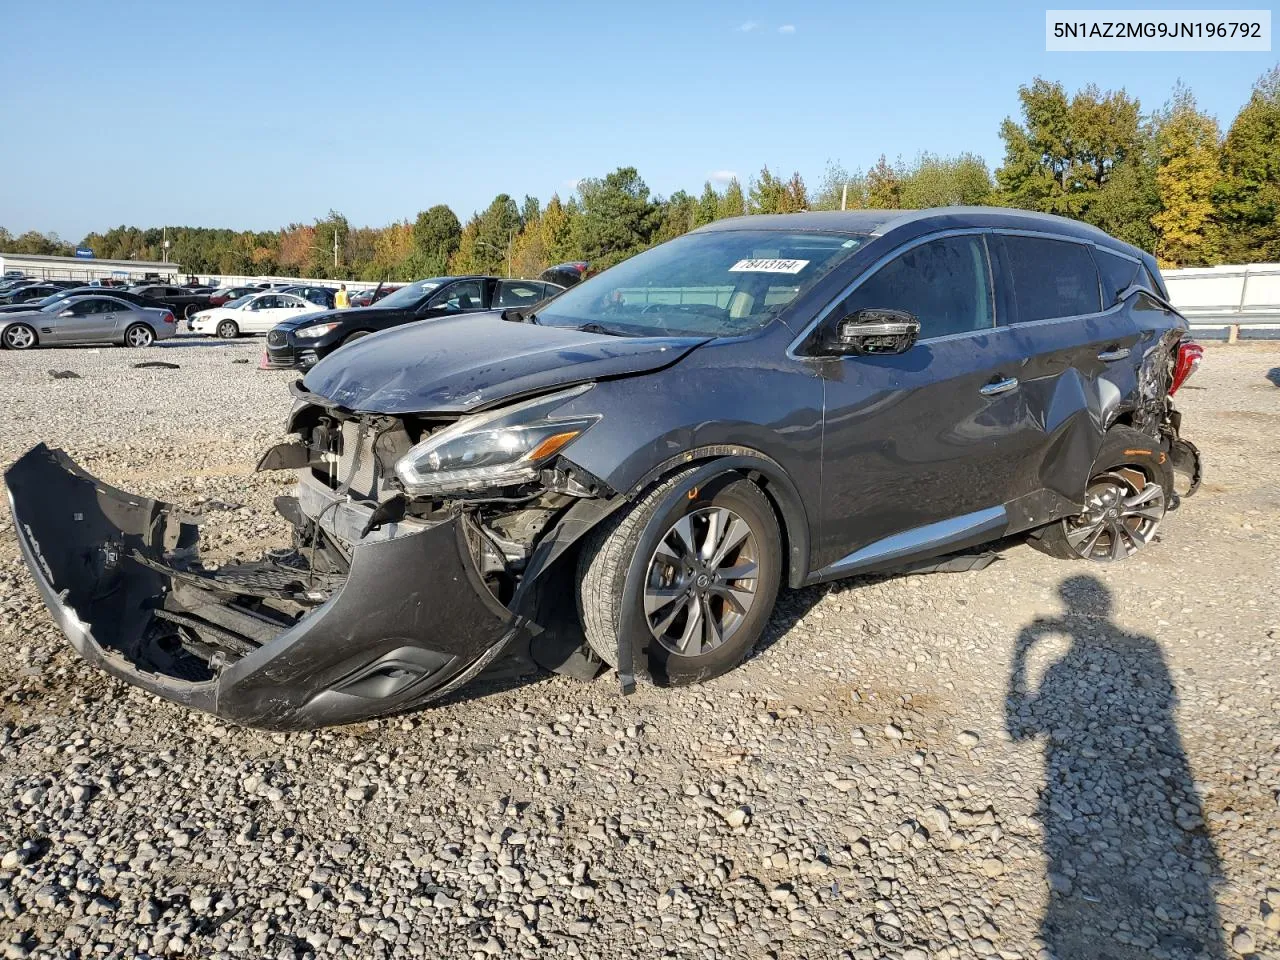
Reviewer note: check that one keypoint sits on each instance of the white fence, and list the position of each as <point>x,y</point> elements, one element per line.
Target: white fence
<point>1232,302</point>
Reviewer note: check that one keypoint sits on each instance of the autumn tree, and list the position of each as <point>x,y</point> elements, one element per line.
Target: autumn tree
<point>883,186</point>
<point>1186,156</point>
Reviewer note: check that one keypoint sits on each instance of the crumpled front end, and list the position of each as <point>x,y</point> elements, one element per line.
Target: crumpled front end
<point>332,631</point>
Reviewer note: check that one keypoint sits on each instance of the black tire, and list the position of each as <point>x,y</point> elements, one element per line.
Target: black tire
<point>1126,455</point>
<point>19,336</point>
<point>190,310</point>
<point>616,560</point>
<point>352,338</point>
<point>134,336</point>
<point>228,329</point>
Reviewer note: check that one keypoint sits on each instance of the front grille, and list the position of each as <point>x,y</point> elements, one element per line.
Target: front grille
<point>277,338</point>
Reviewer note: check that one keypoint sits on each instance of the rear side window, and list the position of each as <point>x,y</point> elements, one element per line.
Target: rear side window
<point>1118,274</point>
<point>942,283</point>
<point>518,293</point>
<point>1052,278</point>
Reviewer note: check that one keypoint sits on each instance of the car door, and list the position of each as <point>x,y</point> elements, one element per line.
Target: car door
<point>461,296</point>
<point>922,449</point>
<point>1079,350</point>
<point>261,314</point>
<point>84,320</point>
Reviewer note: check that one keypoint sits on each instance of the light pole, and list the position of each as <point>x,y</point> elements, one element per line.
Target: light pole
<point>511,239</point>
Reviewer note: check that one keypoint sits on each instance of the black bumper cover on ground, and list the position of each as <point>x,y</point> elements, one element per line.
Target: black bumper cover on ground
<point>411,622</point>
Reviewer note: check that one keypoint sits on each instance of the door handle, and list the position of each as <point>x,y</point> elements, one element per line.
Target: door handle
<point>1119,353</point>
<point>996,387</point>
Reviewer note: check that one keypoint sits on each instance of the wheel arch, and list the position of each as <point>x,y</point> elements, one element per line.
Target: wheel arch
<point>764,472</point>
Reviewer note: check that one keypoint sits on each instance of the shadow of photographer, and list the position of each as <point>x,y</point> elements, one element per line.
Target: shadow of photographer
<point>1132,870</point>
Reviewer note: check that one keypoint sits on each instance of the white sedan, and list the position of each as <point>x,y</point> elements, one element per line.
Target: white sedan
<point>252,313</point>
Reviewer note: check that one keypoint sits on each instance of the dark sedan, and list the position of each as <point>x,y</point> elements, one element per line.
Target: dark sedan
<point>61,295</point>
<point>180,300</point>
<point>29,293</point>
<point>305,341</point>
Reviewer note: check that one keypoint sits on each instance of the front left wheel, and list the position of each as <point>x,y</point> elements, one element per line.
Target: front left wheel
<point>688,573</point>
<point>19,336</point>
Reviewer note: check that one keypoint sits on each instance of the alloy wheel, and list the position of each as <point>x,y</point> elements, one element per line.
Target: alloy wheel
<point>701,581</point>
<point>18,338</point>
<point>1122,511</point>
<point>139,337</point>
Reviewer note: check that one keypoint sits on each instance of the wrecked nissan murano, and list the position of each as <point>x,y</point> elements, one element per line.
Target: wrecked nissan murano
<point>626,475</point>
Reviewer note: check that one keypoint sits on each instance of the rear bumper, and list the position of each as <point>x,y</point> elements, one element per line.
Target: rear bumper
<point>410,621</point>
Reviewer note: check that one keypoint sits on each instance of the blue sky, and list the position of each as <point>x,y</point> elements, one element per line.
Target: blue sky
<point>253,115</point>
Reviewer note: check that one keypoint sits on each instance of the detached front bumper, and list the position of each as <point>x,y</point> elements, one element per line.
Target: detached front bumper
<point>274,644</point>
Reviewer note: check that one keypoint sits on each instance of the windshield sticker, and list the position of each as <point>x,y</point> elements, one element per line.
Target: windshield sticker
<point>769,266</point>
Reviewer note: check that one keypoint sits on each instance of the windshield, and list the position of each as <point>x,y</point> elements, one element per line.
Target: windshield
<point>53,299</point>
<point>717,284</point>
<point>410,294</point>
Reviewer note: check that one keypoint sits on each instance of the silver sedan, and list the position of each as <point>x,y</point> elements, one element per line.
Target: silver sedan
<point>86,319</point>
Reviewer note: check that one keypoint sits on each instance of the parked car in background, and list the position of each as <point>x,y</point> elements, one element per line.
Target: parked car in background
<point>320,296</point>
<point>226,294</point>
<point>182,301</point>
<point>303,341</point>
<point>633,474</point>
<point>252,313</point>
<point>567,274</point>
<point>366,298</point>
<point>87,319</point>
<point>26,293</point>
<point>79,292</point>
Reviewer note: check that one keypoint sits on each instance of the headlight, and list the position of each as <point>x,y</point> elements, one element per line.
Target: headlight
<point>492,450</point>
<point>318,330</point>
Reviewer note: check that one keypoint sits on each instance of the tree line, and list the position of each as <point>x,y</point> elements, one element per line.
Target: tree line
<point>1167,181</point>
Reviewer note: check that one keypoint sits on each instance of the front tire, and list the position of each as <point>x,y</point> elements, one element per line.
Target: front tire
<point>1125,500</point>
<point>228,330</point>
<point>689,573</point>
<point>19,336</point>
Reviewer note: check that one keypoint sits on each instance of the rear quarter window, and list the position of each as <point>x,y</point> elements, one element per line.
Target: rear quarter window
<point>1051,278</point>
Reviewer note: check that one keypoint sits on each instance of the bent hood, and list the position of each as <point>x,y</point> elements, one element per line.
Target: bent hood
<point>461,364</point>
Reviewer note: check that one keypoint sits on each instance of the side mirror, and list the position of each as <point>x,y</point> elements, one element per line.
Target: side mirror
<point>876,331</point>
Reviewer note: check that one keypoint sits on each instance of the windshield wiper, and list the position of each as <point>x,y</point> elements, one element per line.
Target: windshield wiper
<point>593,327</point>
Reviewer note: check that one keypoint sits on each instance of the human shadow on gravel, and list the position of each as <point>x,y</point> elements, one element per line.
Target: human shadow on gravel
<point>1132,871</point>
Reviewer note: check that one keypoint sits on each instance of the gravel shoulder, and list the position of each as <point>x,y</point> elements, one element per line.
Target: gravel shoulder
<point>1040,759</point>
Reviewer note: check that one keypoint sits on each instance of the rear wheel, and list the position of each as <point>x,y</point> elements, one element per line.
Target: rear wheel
<point>690,573</point>
<point>228,330</point>
<point>19,336</point>
<point>1125,501</point>
<point>139,335</point>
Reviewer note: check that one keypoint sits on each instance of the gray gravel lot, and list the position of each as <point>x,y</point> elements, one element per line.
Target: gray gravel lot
<point>1041,759</point>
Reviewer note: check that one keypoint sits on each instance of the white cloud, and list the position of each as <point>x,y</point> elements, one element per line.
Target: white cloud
<point>748,26</point>
<point>722,176</point>
<point>787,28</point>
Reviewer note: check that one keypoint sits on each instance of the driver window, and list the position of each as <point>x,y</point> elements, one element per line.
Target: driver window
<point>457,297</point>
<point>943,283</point>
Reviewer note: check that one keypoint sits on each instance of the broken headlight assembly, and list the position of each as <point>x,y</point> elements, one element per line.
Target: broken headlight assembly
<point>498,449</point>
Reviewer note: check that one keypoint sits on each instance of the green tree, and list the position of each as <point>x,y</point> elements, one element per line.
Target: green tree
<point>676,216</point>
<point>884,186</point>
<point>1066,150</point>
<point>708,208</point>
<point>333,231</point>
<point>946,181</point>
<point>496,231</point>
<point>1247,197</point>
<point>837,185</point>
<point>768,193</point>
<point>1187,170</point>
<point>618,219</point>
<point>732,202</point>
<point>436,233</point>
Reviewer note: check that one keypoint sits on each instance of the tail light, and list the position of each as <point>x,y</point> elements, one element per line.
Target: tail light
<point>1188,360</point>
<point>168,317</point>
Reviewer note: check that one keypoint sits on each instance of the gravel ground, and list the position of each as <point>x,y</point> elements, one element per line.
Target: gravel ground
<point>1040,759</point>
